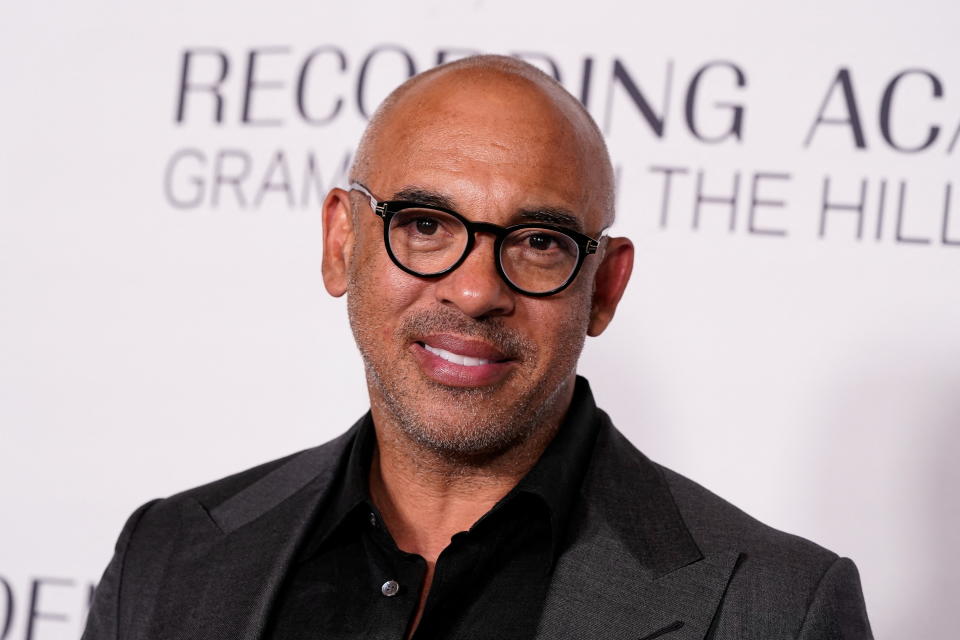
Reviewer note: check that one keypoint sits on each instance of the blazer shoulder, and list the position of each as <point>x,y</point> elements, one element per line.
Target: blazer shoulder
<point>279,476</point>
<point>166,536</point>
<point>717,525</point>
<point>213,493</point>
<point>783,583</point>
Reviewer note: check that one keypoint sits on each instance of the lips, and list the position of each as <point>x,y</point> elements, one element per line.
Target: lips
<point>460,361</point>
<point>456,358</point>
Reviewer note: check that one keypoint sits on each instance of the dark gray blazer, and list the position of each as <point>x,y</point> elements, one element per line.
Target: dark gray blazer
<point>650,554</point>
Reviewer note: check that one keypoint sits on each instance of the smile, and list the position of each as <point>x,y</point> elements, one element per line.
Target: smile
<point>456,358</point>
<point>461,361</point>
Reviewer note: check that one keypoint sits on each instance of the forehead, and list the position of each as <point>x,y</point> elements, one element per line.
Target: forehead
<point>493,142</point>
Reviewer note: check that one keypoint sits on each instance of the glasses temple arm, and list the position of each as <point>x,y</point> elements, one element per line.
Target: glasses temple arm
<point>356,186</point>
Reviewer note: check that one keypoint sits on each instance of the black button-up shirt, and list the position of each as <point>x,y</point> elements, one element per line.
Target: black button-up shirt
<point>349,579</point>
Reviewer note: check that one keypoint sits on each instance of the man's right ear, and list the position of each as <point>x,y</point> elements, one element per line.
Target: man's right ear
<point>337,241</point>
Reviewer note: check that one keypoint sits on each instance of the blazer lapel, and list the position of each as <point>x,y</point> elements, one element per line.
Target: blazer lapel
<point>631,569</point>
<point>229,575</point>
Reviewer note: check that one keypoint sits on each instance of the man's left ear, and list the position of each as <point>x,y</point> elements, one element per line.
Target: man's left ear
<point>609,283</point>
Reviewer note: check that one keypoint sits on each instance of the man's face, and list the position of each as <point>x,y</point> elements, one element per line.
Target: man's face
<point>461,363</point>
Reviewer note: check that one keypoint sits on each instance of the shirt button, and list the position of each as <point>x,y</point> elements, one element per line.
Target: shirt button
<point>373,519</point>
<point>390,588</point>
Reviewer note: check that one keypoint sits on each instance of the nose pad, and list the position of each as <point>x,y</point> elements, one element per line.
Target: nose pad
<point>475,287</point>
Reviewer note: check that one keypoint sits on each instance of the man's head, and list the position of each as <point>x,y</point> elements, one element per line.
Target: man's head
<point>462,363</point>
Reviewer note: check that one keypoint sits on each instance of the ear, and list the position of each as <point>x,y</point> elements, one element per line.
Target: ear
<point>609,282</point>
<point>337,241</point>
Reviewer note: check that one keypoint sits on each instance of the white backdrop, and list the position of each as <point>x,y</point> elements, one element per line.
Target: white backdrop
<point>163,321</point>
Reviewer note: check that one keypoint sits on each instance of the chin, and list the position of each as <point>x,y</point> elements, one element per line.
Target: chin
<point>458,440</point>
<point>471,422</point>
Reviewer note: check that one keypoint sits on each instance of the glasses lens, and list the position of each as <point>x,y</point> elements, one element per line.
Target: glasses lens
<point>538,260</point>
<point>426,240</point>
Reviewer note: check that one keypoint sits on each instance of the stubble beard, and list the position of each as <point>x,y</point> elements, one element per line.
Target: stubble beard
<point>483,422</point>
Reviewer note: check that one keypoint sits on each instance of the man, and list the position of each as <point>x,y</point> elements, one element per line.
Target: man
<point>484,495</point>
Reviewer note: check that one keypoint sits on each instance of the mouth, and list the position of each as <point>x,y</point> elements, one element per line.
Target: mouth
<point>456,358</point>
<point>460,361</point>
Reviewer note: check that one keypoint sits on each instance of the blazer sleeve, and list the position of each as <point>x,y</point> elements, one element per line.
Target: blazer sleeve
<point>837,610</point>
<point>102,619</point>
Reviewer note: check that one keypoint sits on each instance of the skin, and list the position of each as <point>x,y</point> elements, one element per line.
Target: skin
<point>495,138</point>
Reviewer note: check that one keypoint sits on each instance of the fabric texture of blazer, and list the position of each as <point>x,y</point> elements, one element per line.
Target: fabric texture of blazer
<point>649,554</point>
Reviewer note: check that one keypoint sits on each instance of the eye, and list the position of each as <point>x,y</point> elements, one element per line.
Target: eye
<point>426,226</point>
<point>424,223</point>
<point>540,245</point>
<point>540,241</point>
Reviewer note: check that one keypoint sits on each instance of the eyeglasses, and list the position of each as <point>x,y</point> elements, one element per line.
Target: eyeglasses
<point>534,259</point>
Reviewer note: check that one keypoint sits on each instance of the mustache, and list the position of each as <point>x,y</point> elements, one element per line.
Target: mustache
<point>443,320</point>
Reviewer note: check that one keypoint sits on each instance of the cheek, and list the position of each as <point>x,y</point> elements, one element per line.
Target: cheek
<point>397,292</point>
<point>378,293</point>
<point>559,326</point>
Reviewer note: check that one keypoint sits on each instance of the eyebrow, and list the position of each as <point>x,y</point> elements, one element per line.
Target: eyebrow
<point>552,215</point>
<point>548,215</point>
<point>424,196</point>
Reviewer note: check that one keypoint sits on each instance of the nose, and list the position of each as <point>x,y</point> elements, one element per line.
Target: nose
<point>475,287</point>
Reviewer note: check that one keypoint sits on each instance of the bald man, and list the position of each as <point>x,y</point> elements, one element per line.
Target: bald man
<point>484,495</point>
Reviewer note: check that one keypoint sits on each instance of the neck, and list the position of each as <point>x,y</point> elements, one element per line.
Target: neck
<point>426,496</point>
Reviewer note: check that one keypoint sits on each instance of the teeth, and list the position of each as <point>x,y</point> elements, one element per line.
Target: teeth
<point>456,358</point>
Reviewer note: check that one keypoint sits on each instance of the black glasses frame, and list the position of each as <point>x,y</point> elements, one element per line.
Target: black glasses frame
<point>386,209</point>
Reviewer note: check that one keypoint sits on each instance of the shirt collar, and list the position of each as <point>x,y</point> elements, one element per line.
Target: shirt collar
<point>349,497</point>
<point>557,476</point>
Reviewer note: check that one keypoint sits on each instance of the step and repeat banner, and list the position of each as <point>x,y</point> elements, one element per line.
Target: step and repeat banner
<point>789,339</point>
